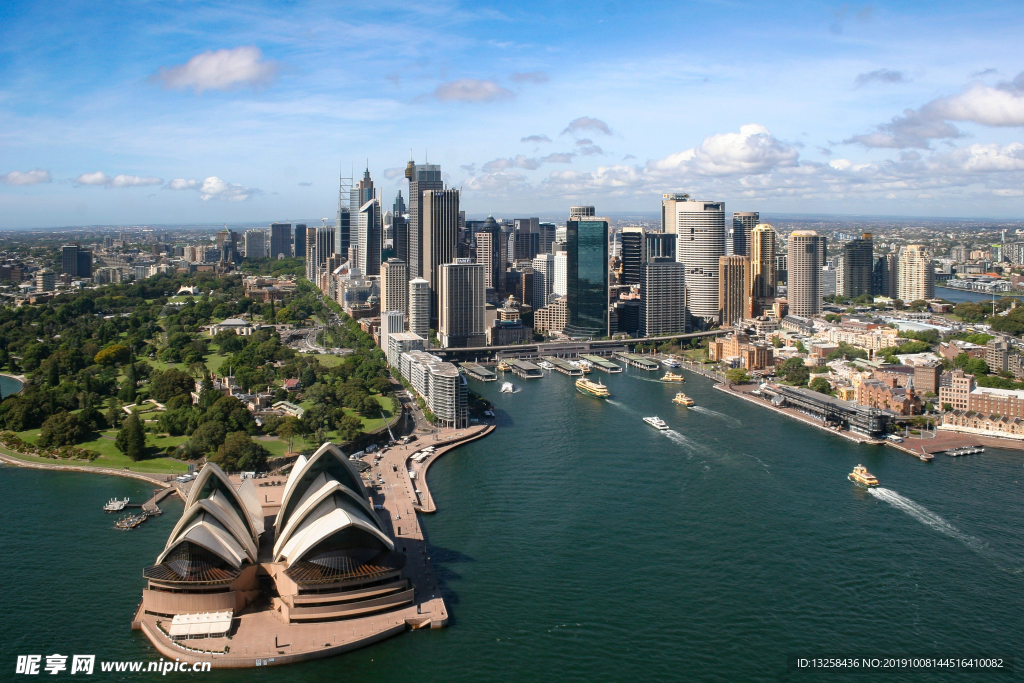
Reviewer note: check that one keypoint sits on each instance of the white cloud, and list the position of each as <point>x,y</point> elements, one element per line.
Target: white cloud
<point>880,76</point>
<point>25,177</point>
<point>99,178</point>
<point>535,138</point>
<point>558,158</point>
<point>471,90</point>
<point>753,150</point>
<point>912,129</point>
<point>215,188</point>
<point>392,173</point>
<point>586,123</point>
<point>520,161</point>
<point>182,184</point>
<point>502,183</point>
<point>219,70</point>
<point>94,178</point>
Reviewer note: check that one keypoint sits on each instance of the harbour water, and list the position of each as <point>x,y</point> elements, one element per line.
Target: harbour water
<point>576,543</point>
<point>8,386</point>
<point>959,296</point>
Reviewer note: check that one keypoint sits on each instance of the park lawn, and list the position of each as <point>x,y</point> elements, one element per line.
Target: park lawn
<point>277,446</point>
<point>214,361</point>
<point>328,360</point>
<point>112,458</point>
<point>370,424</point>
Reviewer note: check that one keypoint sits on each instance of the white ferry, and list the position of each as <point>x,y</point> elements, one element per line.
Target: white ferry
<point>656,422</point>
<point>507,388</point>
<point>670,362</point>
<point>547,365</point>
<point>115,505</point>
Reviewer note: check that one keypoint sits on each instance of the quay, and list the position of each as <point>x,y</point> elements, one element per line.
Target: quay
<point>426,501</point>
<point>525,369</point>
<point>478,372</point>
<point>564,367</point>
<point>602,364</point>
<point>637,361</point>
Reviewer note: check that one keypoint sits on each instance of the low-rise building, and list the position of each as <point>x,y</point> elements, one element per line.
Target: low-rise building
<point>883,395</point>
<point>551,318</point>
<point>964,394</point>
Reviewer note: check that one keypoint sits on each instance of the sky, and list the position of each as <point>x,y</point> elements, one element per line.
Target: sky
<point>128,113</point>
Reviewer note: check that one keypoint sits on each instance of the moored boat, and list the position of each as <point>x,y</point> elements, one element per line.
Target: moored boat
<point>503,366</point>
<point>115,505</point>
<point>596,389</point>
<point>860,475</point>
<point>683,400</point>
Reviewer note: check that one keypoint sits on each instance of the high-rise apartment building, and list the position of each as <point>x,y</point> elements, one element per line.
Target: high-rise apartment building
<point>419,307</point>
<point>280,240</point>
<point>440,235</point>
<point>762,266</point>
<point>488,253</point>
<point>634,254</point>
<point>663,301</point>
<point>255,244</point>
<point>368,237</point>
<point>422,178</point>
<point>857,267</point>
<point>394,286</point>
<point>543,279</point>
<point>391,322</point>
<point>700,241</point>
<point>587,277</point>
<point>743,223</point>
<point>806,258</point>
<point>311,262</point>
<point>733,289</point>
<point>916,274</point>
<point>46,280</point>
<point>886,276</point>
<point>561,283</point>
<point>324,249</point>
<point>299,241</point>
<point>668,209</point>
<point>461,304</point>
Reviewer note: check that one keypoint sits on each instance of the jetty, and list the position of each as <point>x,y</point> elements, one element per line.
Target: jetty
<point>564,367</point>
<point>637,361</point>
<point>478,372</point>
<point>525,369</point>
<point>602,364</point>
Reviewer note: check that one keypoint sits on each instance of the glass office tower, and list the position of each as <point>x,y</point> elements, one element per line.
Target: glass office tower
<point>587,277</point>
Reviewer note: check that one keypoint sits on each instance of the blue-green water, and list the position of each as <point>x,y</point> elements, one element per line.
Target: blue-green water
<point>8,386</point>
<point>576,543</point>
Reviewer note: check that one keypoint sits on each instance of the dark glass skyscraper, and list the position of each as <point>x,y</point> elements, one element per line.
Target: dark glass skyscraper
<point>422,177</point>
<point>858,266</point>
<point>280,240</point>
<point>300,241</point>
<point>587,277</point>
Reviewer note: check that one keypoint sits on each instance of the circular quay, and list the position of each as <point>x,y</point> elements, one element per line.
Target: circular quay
<point>537,341</point>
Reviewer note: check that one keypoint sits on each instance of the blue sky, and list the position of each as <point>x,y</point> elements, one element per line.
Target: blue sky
<point>139,112</point>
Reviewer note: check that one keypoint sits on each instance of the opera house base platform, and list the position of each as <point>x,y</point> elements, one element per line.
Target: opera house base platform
<point>311,566</point>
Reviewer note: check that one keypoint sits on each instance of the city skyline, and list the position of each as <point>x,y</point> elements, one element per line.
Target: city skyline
<point>221,115</point>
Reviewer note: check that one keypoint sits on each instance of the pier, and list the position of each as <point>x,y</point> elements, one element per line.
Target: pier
<point>564,367</point>
<point>602,364</point>
<point>478,372</point>
<point>525,369</point>
<point>637,361</point>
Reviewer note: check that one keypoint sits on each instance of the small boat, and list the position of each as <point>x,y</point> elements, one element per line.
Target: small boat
<point>504,367</point>
<point>592,388</point>
<point>673,377</point>
<point>547,365</point>
<point>683,400</point>
<point>115,505</point>
<point>656,422</point>
<point>670,362</point>
<point>860,475</point>
<point>507,388</point>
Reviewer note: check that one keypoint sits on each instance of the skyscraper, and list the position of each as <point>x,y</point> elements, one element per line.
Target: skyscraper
<point>547,237</point>
<point>422,178</point>
<point>461,304</point>
<point>634,254</point>
<point>526,238</point>
<point>561,284</point>
<point>733,289</point>
<point>857,266</point>
<point>488,253</point>
<point>700,241</point>
<point>299,241</point>
<point>280,240</point>
<point>886,276</point>
<point>660,245</point>
<point>75,261</point>
<point>311,262</point>
<point>581,212</point>
<point>362,192</point>
<point>419,307</point>
<point>440,219</point>
<point>343,225</point>
<point>663,302</point>
<point>368,238</point>
<point>806,257</point>
<point>543,279</point>
<point>587,276</point>
<point>743,224</point>
<point>255,244</point>
<point>324,249</point>
<point>394,286</point>
<point>763,277</point>
<point>668,209</point>
<point>916,274</point>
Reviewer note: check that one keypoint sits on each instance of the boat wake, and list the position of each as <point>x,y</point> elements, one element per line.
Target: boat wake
<point>714,413</point>
<point>926,516</point>
<point>676,437</point>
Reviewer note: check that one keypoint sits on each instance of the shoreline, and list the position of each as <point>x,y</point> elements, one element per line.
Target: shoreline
<point>142,476</point>
<point>421,469</point>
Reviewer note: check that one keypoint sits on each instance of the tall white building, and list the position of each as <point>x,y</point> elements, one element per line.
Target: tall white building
<point>543,279</point>
<point>419,307</point>
<point>394,286</point>
<point>391,322</point>
<point>700,241</point>
<point>255,244</point>
<point>461,304</point>
<point>560,286</point>
<point>806,257</point>
<point>917,274</point>
<point>403,342</point>
<point>663,304</point>
<point>443,388</point>
<point>367,238</point>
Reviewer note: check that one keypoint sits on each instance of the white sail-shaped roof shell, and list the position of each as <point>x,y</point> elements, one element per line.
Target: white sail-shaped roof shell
<point>225,515</point>
<point>332,515</point>
<point>207,532</point>
<point>254,523</point>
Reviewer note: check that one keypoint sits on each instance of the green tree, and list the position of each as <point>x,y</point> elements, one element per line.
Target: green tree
<point>115,354</point>
<point>169,384</point>
<point>737,376</point>
<point>205,439</point>
<point>288,430</point>
<point>63,429</point>
<point>131,440</point>
<point>230,412</point>
<point>239,452</point>
<point>821,385</point>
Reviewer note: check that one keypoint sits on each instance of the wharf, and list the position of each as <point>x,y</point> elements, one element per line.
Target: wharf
<point>564,367</point>
<point>637,361</point>
<point>525,369</point>
<point>602,364</point>
<point>478,372</point>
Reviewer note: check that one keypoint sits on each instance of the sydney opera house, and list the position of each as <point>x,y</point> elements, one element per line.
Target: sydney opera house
<point>312,552</point>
